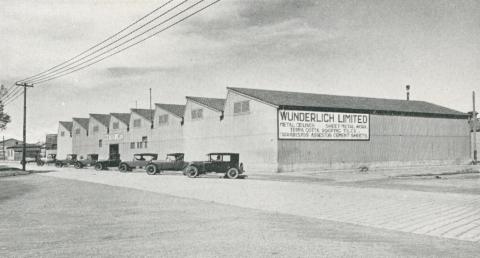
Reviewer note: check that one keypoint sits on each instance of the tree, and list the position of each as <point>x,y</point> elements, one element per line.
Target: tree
<point>4,117</point>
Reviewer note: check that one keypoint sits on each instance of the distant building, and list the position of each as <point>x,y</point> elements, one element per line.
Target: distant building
<point>51,144</point>
<point>8,154</point>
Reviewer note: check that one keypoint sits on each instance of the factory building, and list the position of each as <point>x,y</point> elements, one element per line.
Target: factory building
<point>64,139</point>
<point>115,140</point>
<point>80,141</point>
<point>202,126</point>
<point>167,129</point>
<point>278,131</point>
<point>316,131</point>
<point>98,128</point>
<point>139,134</point>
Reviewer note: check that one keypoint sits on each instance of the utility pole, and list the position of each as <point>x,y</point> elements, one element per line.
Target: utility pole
<point>474,129</point>
<point>24,149</point>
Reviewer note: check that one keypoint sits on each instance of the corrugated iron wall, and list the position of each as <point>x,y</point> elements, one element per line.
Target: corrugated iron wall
<point>394,140</point>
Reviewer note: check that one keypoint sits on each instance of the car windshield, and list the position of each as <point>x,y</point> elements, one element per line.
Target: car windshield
<point>170,158</point>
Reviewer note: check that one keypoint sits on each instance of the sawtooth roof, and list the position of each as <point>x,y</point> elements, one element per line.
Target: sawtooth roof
<point>145,113</point>
<point>123,117</point>
<point>67,124</point>
<point>336,102</point>
<point>102,118</point>
<point>216,104</point>
<point>175,109</point>
<point>83,122</point>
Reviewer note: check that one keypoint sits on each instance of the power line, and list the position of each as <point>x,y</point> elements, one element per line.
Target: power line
<point>8,91</point>
<point>18,94</point>
<point>129,46</point>
<point>65,67</point>
<point>98,44</point>
<point>10,94</point>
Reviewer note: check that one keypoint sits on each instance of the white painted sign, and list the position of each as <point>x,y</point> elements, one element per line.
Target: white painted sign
<point>114,137</point>
<point>314,125</point>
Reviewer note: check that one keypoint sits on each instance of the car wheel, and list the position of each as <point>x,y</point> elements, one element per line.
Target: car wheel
<point>191,171</point>
<point>232,173</point>
<point>77,165</point>
<point>98,166</point>
<point>123,168</point>
<point>58,165</point>
<point>40,163</point>
<point>151,169</point>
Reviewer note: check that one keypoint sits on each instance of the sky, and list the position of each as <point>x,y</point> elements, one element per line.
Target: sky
<point>356,48</point>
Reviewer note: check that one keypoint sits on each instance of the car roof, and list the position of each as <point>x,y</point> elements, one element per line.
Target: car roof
<point>145,154</point>
<point>222,153</point>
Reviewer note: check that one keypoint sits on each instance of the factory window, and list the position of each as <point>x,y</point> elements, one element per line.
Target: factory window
<point>197,113</point>
<point>77,131</point>
<point>62,133</point>
<point>95,129</point>
<point>145,140</point>
<point>139,145</point>
<point>137,123</point>
<point>163,119</point>
<point>100,143</point>
<point>115,125</point>
<point>241,107</point>
<point>132,145</point>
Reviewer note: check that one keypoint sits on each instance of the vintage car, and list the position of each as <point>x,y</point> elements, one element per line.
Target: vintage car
<point>35,159</point>
<point>50,159</point>
<point>112,161</point>
<point>89,161</point>
<point>70,160</point>
<point>173,162</point>
<point>140,160</point>
<point>227,163</point>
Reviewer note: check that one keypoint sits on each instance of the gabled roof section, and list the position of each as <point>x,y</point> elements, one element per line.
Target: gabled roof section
<point>67,124</point>
<point>175,109</point>
<point>216,104</point>
<point>83,122</point>
<point>102,118</point>
<point>335,102</point>
<point>123,117</point>
<point>145,113</point>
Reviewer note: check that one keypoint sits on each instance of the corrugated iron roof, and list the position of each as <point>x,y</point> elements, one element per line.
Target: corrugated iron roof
<point>102,118</point>
<point>145,113</point>
<point>217,104</point>
<point>123,117</point>
<point>83,122</point>
<point>300,99</point>
<point>175,109</point>
<point>67,124</point>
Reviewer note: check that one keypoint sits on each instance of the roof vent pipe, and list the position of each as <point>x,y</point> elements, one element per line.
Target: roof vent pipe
<point>408,91</point>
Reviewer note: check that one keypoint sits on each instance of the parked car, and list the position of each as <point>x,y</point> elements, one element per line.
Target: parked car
<point>35,159</point>
<point>50,159</point>
<point>227,163</point>
<point>173,162</point>
<point>140,160</point>
<point>70,160</point>
<point>112,161</point>
<point>89,161</point>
